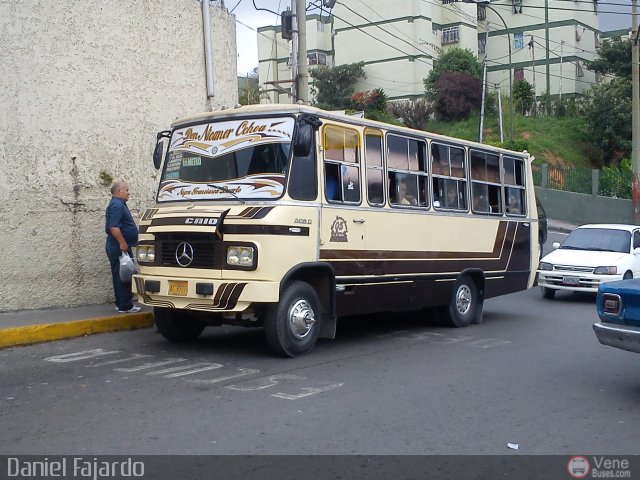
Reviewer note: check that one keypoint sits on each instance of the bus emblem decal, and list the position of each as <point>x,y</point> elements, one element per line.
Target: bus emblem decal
<point>339,230</point>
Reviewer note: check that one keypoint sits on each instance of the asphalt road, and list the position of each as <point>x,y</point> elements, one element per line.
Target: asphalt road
<point>533,374</point>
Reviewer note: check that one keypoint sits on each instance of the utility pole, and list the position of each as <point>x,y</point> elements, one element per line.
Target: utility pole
<point>294,52</point>
<point>561,55</point>
<point>635,113</point>
<point>484,85</point>
<point>303,64</point>
<point>533,64</point>
<point>500,112</point>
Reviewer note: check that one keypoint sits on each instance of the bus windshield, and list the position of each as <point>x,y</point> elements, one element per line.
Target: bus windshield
<point>238,159</point>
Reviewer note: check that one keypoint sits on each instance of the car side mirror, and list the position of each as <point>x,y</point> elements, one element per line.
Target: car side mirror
<point>555,245</point>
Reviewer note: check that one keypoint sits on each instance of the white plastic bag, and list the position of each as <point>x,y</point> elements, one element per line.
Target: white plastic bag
<point>127,267</point>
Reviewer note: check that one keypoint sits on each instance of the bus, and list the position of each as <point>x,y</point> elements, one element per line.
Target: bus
<point>288,217</point>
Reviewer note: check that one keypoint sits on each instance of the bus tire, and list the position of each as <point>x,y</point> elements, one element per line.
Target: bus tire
<point>292,325</point>
<point>176,325</point>
<point>548,293</point>
<point>463,306</point>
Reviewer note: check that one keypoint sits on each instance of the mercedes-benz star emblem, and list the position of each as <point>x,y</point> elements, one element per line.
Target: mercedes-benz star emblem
<point>184,254</point>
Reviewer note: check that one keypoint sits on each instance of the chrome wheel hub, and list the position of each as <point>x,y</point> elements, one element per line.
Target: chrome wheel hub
<point>463,299</point>
<point>301,319</point>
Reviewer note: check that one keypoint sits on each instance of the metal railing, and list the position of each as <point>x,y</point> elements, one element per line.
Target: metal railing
<point>608,182</point>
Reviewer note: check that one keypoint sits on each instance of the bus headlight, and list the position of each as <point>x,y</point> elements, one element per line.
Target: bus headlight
<point>240,256</point>
<point>611,270</point>
<point>146,253</point>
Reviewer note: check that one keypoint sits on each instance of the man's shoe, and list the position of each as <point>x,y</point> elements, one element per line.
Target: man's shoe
<point>133,309</point>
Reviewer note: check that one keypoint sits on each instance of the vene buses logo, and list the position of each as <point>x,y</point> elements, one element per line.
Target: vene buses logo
<point>339,230</point>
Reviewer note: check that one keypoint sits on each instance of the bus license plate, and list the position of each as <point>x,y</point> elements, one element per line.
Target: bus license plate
<point>573,281</point>
<point>178,288</point>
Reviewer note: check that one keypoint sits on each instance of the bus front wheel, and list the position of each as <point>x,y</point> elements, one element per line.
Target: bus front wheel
<point>464,303</point>
<point>292,325</point>
<point>176,325</point>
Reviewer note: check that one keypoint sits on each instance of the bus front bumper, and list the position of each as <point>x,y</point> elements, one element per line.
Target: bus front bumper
<point>203,294</point>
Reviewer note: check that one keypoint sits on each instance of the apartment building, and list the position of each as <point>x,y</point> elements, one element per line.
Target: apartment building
<point>546,42</point>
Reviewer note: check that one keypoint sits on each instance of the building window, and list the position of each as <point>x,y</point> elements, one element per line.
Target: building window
<point>317,58</point>
<point>446,2</point>
<point>518,41</point>
<point>596,38</point>
<point>518,74</point>
<point>320,26</point>
<point>517,6</point>
<point>482,45</point>
<point>579,71</point>
<point>482,12</point>
<point>450,35</point>
<point>599,77</point>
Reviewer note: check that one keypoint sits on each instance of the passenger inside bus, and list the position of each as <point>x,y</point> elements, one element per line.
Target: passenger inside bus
<point>405,192</point>
<point>514,203</point>
<point>480,200</point>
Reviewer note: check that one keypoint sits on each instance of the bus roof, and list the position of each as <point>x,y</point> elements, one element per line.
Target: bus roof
<point>289,109</point>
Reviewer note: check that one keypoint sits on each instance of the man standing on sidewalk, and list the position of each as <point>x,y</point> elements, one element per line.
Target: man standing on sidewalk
<point>122,234</point>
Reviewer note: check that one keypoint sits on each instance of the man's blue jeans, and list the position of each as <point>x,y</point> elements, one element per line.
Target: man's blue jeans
<point>124,297</point>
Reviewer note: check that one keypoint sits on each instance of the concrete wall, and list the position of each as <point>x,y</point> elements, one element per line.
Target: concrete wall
<point>580,208</point>
<point>85,86</point>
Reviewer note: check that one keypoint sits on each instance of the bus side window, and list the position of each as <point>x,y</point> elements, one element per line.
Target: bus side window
<point>332,182</point>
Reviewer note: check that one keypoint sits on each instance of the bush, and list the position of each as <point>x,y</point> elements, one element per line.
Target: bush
<point>458,94</point>
<point>414,113</point>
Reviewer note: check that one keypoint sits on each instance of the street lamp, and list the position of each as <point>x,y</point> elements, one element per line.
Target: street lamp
<point>486,4</point>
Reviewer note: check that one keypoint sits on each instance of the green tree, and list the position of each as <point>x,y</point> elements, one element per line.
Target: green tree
<point>607,111</point>
<point>454,60</point>
<point>523,96</point>
<point>614,58</point>
<point>333,86</point>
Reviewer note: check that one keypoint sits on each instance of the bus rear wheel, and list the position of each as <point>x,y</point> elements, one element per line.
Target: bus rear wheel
<point>464,303</point>
<point>292,325</point>
<point>176,325</point>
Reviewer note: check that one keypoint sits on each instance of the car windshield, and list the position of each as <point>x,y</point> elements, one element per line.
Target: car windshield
<point>241,159</point>
<point>598,239</point>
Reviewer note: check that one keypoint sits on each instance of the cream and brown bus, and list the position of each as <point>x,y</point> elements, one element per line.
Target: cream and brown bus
<point>288,217</point>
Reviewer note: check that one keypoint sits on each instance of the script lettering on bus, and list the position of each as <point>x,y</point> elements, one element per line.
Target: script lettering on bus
<point>246,128</point>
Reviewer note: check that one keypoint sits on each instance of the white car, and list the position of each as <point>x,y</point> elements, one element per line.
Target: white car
<point>591,255</point>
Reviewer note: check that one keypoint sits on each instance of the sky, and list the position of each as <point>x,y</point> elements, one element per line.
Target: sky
<point>248,19</point>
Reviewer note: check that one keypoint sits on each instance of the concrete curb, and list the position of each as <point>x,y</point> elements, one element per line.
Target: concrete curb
<point>14,336</point>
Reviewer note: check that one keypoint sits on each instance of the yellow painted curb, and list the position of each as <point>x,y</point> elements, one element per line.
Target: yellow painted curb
<point>13,336</point>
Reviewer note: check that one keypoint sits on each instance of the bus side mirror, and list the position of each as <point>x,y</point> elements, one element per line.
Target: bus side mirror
<point>157,154</point>
<point>304,140</point>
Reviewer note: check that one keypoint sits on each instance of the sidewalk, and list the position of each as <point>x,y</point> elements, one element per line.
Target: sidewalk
<point>33,326</point>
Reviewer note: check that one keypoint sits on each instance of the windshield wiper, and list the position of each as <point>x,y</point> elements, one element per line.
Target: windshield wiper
<point>570,247</point>
<point>226,190</point>
<point>595,249</point>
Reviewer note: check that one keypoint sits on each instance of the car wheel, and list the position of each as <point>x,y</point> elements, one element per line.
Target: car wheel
<point>627,275</point>
<point>292,325</point>
<point>464,303</point>
<point>548,292</point>
<point>176,325</point>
